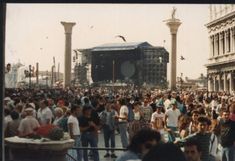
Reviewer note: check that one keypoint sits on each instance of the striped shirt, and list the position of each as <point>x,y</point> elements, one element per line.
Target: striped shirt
<point>204,142</point>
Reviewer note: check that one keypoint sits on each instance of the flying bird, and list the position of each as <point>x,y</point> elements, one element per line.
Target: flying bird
<point>122,37</point>
<point>91,27</point>
<point>182,58</point>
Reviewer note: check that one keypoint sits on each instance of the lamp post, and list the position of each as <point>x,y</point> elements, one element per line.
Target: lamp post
<point>29,76</point>
<point>113,73</point>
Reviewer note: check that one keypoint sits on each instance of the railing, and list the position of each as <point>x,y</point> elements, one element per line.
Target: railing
<point>93,148</point>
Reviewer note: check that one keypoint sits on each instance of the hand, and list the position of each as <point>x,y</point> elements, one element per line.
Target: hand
<point>92,124</point>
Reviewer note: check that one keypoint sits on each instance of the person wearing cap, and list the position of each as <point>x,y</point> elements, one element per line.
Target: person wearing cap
<point>29,124</point>
<point>6,101</point>
<point>171,118</point>
<point>157,120</point>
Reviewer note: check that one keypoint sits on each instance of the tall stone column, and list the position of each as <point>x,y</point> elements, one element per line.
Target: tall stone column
<point>67,59</point>
<point>231,40</point>
<point>211,41</point>
<point>214,83</point>
<point>231,82</point>
<point>225,82</point>
<point>173,24</point>
<point>219,83</point>
<point>221,43</point>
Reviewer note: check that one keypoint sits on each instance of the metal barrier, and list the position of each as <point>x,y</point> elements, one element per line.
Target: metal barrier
<point>93,148</point>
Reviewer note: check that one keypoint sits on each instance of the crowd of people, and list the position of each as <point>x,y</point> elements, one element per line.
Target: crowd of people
<point>199,125</point>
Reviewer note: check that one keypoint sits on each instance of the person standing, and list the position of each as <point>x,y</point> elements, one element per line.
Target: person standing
<point>202,136</point>
<point>157,121</point>
<point>88,133</point>
<point>171,118</point>
<point>135,125</point>
<point>228,136</point>
<point>140,145</point>
<point>44,114</point>
<point>74,131</point>
<point>107,118</point>
<point>122,123</point>
<point>29,124</point>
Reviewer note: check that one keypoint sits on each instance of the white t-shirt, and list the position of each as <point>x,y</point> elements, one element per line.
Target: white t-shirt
<point>167,104</point>
<point>172,117</point>
<point>44,115</point>
<point>123,109</point>
<point>157,119</point>
<point>74,121</point>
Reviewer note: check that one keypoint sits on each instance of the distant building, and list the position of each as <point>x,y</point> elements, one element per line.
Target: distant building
<point>136,63</point>
<point>221,62</point>
<point>199,83</point>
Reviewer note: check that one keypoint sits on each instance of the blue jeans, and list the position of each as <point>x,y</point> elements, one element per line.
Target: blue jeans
<point>171,134</point>
<point>123,133</point>
<point>228,153</point>
<point>75,153</point>
<point>92,139</point>
<point>109,135</point>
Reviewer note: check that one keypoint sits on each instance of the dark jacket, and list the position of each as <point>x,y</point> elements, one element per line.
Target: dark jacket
<point>227,133</point>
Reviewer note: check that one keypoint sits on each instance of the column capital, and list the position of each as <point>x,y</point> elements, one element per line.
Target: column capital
<point>173,24</point>
<point>68,26</point>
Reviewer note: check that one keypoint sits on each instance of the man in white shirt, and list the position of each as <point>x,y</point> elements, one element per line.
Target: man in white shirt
<point>171,119</point>
<point>74,131</point>
<point>122,123</point>
<point>44,113</point>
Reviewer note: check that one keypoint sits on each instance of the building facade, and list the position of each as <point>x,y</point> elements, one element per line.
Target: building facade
<point>221,62</point>
<point>138,63</point>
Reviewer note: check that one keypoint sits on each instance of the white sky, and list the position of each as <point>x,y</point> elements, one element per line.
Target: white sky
<point>34,33</point>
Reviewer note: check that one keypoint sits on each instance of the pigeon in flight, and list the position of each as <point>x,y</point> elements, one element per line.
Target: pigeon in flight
<point>122,37</point>
<point>182,58</point>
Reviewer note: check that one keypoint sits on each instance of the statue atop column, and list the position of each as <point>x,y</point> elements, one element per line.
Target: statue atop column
<point>173,13</point>
<point>173,25</point>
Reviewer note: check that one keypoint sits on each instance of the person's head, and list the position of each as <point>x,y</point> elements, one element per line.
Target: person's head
<point>86,111</point>
<point>136,105</point>
<point>44,103</point>
<point>232,108</point>
<point>28,111</point>
<point>109,104</point>
<point>75,110</point>
<point>164,152</point>
<point>192,150</point>
<point>203,124</point>
<point>7,111</point>
<point>14,115</point>
<point>8,67</point>
<point>143,140</point>
<point>58,112</point>
<point>86,100</point>
<point>159,109</point>
<point>173,104</point>
<point>195,115</point>
<point>225,115</point>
